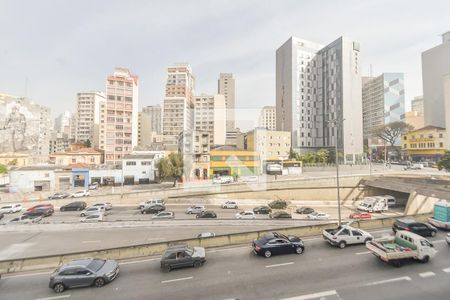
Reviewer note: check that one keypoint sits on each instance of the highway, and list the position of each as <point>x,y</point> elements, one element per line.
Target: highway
<point>321,272</point>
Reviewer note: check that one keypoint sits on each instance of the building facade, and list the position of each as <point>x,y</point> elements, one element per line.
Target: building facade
<point>210,116</point>
<point>318,95</point>
<point>139,168</point>
<point>88,117</point>
<point>232,161</point>
<point>226,87</point>
<point>195,147</point>
<point>150,126</point>
<point>62,123</point>
<point>425,144</point>
<point>77,154</point>
<point>267,118</point>
<point>119,116</point>
<point>417,105</point>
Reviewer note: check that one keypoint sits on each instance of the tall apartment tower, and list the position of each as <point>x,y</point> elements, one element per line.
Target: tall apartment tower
<point>150,125</point>
<point>226,87</point>
<point>435,65</point>
<point>417,105</point>
<point>88,117</point>
<point>383,99</point>
<point>178,103</point>
<point>267,118</point>
<point>210,116</point>
<point>119,116</point>
<point>318,95</point>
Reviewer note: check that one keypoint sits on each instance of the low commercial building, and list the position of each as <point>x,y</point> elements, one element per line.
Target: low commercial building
<point>228,160</point>
<point>14,159</point>
<point>77,154</point>
<point>138,168</point>
<point>195,147</point>
<point>425,144</point>
<point>39,178</point>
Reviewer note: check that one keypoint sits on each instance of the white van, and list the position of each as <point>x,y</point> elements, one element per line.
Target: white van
<point>391,202</point>
<point>373,204</point>
<point>151,203</point>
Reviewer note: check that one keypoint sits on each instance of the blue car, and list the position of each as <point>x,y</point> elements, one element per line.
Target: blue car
<point>277,243</point>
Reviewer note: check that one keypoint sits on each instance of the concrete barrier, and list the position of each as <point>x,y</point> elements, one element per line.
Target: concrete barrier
<point>144,250</point>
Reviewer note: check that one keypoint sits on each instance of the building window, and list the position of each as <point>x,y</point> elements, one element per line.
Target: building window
<point>130,163</point>
<point>441,145</point>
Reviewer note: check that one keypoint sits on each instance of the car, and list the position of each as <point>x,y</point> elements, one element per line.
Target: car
<point>222,180</point>
<point>2,215</point>
<point>207,214</point>
<point>246,215</point>
<point>280,215</point>
<point>58,195</point>
<point>93,210</point>
<point>151,202</point>
<point>179,256</point>
<point>304,210</point>
<point>11,208</point>
<point>80,194</point>
<point>164,215</point>
<point>360,215</point>
<point>205,235</point>
<point>92,218</point>
<point>259,210</point>
<point>422,229</point>
<point>82,273</point>
<point>40,211</point>
<point>346,235</point>
<point>318,216</point>
<point>93,186</point>
<point>73,206</point>
<point>195,209</point>
<point>447,238</point>
<point>154,209</point>
<point>105,205</point>
<point>41,206</point>
<point>229,204</point>
<point>277,243</point>
<point>25,220</point>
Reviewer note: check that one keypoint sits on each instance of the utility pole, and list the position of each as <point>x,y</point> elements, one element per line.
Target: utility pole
<point>337,171</point>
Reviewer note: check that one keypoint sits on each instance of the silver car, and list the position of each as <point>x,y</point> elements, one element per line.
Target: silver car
<point>195,209</point>
<point>84,272</point>
<point>164,215</point>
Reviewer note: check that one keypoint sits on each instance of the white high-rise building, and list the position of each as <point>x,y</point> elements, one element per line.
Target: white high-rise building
<point>318,95</point>
<point>62,123</point>
<point>267,118</point>
<point>88,117</point>
<point>210,116</point>
<point>226,87</point>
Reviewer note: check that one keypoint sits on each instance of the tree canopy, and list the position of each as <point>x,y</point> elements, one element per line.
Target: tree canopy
<point>444,163</point>
<point>391,132</point>
<point>3,169</point>
<point>171,167</point>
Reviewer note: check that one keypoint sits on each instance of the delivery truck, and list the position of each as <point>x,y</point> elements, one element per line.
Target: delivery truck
<point>373,204</point>
<point>441,215</point>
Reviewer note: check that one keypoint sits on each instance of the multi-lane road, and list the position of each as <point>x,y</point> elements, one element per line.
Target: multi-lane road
<point>321,272</point>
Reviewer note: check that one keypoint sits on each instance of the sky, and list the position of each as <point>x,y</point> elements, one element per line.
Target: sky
<point>50,50</point>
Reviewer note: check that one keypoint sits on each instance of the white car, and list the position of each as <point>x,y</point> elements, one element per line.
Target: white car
<point>92,218</point>
<point>105,205</point>
<point>222,180</point>
<point>93,210</point>
<point>230,204</point>
<point>318,216</point>
<point>205,235</point>
<point>346,235</point>
<point>80,194</point>
<point>150,203</point>
<point>246,215</point>
<point>164,215</point>
<point>11,208</point>
<point>195,209</point>
<point>24,220</point>
<point>93,186</point>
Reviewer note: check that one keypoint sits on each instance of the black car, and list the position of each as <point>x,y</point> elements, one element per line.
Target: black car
<point>39,212</point>
<point>179,256</point>
<point>280,215</point>
<point>305,210</point>
<point>263,210</point>
<point>1,216</point>
<point>153,209</point>
<point>423,229</point>
<point>206,215</point>
<point>277,243</point>
<point>74,206</point>
<point>59,196</point>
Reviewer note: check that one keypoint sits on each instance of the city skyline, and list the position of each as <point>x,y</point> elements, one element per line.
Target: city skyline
<point>61,65</point>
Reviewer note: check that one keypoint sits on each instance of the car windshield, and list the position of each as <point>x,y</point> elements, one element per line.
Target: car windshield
<point>190,251</point>
<point>96,264</point>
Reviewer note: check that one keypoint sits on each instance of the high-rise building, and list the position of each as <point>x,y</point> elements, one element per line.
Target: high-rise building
<point>150,125</point>
<point>226,87</point>
<point>62,123</point>
<point>119,116</point>
<point>210,116</point>
<point>435,65</point>
<point>267,118</point>
<point>178,103</point>
<point>415,117</point>
<point>383,99</point>
<point>88,117</point>
<point>318,95</point>
<point>417,105</point>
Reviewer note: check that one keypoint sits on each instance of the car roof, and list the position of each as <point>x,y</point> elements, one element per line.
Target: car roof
<point>174,248</point>
<point>407,221</point>
<point>77,263</point>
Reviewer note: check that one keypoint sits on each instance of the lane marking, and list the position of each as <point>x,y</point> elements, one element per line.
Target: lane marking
<point>55,297</point>
<point>446,270</point>
<point>363,253</point>
<point>137,261</point>
<point>26,275</point>
<point>313,296</point>
<point>86,242</point>
<point>426,274</point>
<point>280,265</point>
<point>178,279</point>
<point>407,278</point>
<point>438,241</point>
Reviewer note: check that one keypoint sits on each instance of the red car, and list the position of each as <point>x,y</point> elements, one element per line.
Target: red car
<point>360,215</point>
<point>48,205</point>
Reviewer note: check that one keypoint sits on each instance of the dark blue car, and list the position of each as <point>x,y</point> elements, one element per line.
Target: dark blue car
<point>277,243</point>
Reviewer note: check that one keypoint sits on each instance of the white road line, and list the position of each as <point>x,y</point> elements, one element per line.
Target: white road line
<point>178,279</point>
<point>426,274</point>
<point>54,298</point>
<point>137,261</point>
<point>26,275</point>
<point>438,241</point>
<point>363,253</point>
<point>407,278</point>
<point>446,270</point>
<point>280,265</point>
<point>86,242</point>
<point>313,296</point>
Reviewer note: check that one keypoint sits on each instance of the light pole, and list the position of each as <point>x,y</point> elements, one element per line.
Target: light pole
<point>335,122</point>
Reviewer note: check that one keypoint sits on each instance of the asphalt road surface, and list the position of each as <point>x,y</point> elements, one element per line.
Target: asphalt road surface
<point>321,272</point>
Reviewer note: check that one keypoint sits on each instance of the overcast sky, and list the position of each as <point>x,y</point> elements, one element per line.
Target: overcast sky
<point>64,47</point>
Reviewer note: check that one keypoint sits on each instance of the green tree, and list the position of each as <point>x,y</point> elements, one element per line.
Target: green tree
<point>171,167</point>
<point>293,154</point>
<point>444,162</point>
<point>87,144</point>
<point>3,169</point>
<point>323,156</point>
<point>13,162</point>
<point>391,132</point>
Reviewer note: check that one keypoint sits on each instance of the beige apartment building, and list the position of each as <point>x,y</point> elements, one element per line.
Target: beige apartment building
<point>210,116</point>
<point>226,87</point>
<point>150,126</point>
<point>195,146</point>
<point>267,118</point>
<point>88,117</point>
<point>77,154</point>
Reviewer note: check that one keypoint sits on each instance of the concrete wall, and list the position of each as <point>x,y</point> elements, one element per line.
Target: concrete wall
<point>419,204</point>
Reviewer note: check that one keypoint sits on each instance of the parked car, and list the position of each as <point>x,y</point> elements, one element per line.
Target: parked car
<point>94,186</point>
<point>222,180</point>
<point>195,209</point>
<point>230,204</point>
<point>80,194</point>
<point>180,256</point>
<point>422,229</point>
<point>74,206</point>
<point>2,215</point>
<point>151,202</point>
<point>205,235</point>
<point>11,208</point>
<point>83,272</point>
<point>318,216</point>
<point>25,220</point>
<point>246,215</point>
<point>207,214</point>
<point>58,195</point>
<point>41,206</point>
<point>93,210</point>
<point>304,210</point>
<point>346,235</point>
<point>41,211</point>
<point>106,205</point>
<point>277,243</point>
<point>259,210</point>
<point>280,215</point>
<point>164,215</point>
<point>92,218</point>
<point>360,215</point>
<point>154,209</point>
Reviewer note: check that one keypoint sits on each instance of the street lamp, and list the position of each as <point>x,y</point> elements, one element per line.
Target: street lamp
<point>335,123</point>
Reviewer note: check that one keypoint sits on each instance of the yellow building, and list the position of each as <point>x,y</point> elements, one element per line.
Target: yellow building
<point>77,155</point>
<point>227,160</point>
<point>14,159</point>
<point>425,144</point>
